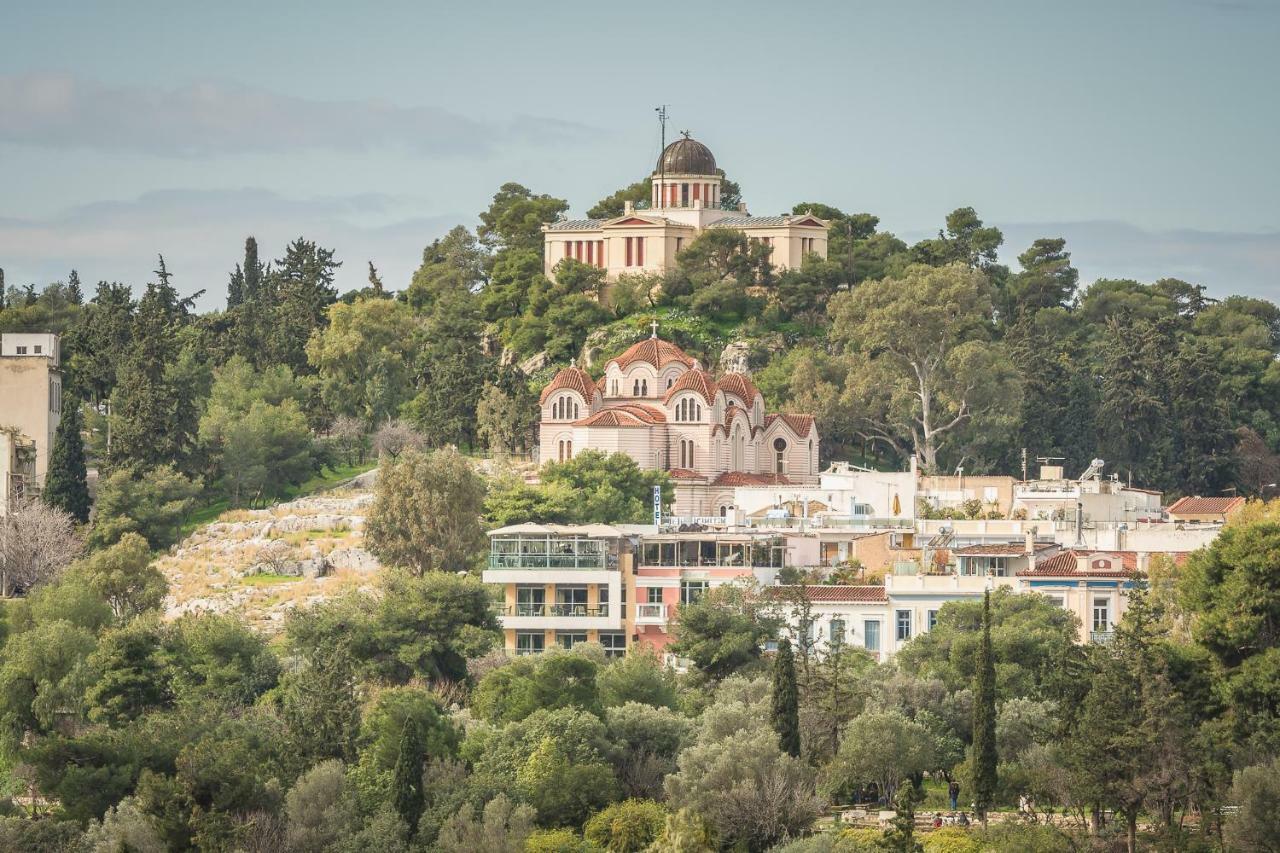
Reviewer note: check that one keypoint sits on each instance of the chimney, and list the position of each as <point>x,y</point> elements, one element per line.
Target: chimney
<point>628,206</point>
<point>1031,542</point>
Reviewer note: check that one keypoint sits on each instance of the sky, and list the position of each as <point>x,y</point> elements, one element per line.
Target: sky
<point>1145,133</point>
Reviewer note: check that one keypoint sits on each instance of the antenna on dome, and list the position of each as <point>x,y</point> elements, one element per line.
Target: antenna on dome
<point>662,155</point>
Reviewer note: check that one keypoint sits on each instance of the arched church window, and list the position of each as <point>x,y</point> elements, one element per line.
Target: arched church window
<point>635,388</point>
<point>644,387</point>
<point>575,410</point>
<point>698,415</point>
<point>780,450</point>
<point>723,510</point>
<point>669,381</point>
<point>568,449</point>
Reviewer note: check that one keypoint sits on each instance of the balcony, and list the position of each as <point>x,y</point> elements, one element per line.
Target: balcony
<point>1101,638</point>
<point>559,616</point>
<point>651,614</point>
<point>588,562</point>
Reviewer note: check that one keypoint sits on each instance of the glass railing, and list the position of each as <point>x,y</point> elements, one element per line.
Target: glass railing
<point>552,561</point>
<point>555,610</point>
<point>651,611</point>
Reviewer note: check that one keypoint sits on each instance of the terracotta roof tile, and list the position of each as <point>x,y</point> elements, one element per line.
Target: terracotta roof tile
<point>799,424</point>
<point>742,478</point>
<point>656,352</point>
<point>684,474</point>
<point>697,380</point>
<point>570,379</point>
<point>611,418</point>
<point>1001,549</point>
<point>739,384</point>
<point>1066,564</point>
<point>1205,506</point>
<point>834,593</point>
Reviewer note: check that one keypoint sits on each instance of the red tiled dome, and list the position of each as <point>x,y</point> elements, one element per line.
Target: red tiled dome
<point>656,352</point>
<point>570,379</point>
<point>739,385</point>
<point>694,380</point>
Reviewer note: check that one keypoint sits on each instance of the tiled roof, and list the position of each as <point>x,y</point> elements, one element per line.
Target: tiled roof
<point>684,474</point>
<point>758,221</point>
<point>600,384</point>
<point>612,418</point>
<point>648,414</point>
<point>1204,506</point>
<point>742,478</point>
<point>1006,549</point>
<point>694,380</point>
<point>656,352</point>
<point>571,379</point>
<point>739,384</point>
<point>1065,564</point>
<point>575,225</point>
<point>800,424</point>
<point>730,412</point>
<point>834,593</point>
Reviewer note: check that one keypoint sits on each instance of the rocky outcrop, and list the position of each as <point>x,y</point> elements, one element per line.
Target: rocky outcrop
<point>264,563</point>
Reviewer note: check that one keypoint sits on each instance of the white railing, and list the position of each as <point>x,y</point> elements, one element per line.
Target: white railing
<point>651,613</point>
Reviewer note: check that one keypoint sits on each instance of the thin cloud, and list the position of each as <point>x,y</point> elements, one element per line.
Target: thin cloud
<point>56,110</point>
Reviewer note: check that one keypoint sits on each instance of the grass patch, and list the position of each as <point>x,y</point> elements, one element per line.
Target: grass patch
<point>268,579</point>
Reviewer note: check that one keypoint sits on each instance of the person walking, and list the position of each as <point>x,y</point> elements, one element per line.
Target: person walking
<point>953,791</point>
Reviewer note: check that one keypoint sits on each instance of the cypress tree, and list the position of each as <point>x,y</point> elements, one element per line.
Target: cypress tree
<point>407,784</point>
<point>65,486</point>
<point>984,719</point>
<point>786,700</point>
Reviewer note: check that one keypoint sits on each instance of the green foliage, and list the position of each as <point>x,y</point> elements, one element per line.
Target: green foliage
<point>984,718</point>
<point>592,487</point>
<point>319,808</point>
<point>215,660</point>
<point>615,204</point>
<point>884,747</point>
<point>639,676</point>
<point>1028,634</point>
<point>644,742</point>
<point>786,700</point>
<point>722,631</point>
<point>406,784</point>
<point>152,502</point>
<point>122,575</point>
<point>629,826</point>
<point>424,627</point>
<point>65,486</point>
<point>555,841</point>
<point>318,702</point>
<point>922,364</point>
<point>556,679</point>
<point>426,512</point>
<point>1256,826</point>
<point>129,677</point>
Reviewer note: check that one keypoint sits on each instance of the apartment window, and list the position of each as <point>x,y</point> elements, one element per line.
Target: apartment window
<point>931,618</point>
<point>602,599</point>
<point>871,635</point>
<point>22,350</point>
<point>569,639</point>
<point>903,621</point>
<point>38,349</point>
<point>653,595</point>
<point>530,642</point>
<point>679,244</point>
<point>836,630</point>
<point>1102,614</point>
<point>1057,600</point>
<point>571,601</point>
<point>614,642</point>
<point>691,591</point>
<point>531,600</point>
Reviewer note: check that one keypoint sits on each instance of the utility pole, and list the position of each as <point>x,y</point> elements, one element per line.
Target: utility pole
<point>662,156</point>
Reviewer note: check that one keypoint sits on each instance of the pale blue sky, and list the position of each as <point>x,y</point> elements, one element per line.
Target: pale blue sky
<point>1146,133</point>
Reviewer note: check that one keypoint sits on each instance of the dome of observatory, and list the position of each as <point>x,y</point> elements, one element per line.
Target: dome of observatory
<point>686,156</point>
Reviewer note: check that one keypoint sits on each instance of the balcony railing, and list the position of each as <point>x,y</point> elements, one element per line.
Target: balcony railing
<point>1102,638</point>
<point>594,562</point>
<point>651,612</point>
<point>856,522</point>
<point>555,610</point>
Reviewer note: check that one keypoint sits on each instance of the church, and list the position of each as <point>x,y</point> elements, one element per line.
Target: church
<point>685,201</point>
<point>659,406</point>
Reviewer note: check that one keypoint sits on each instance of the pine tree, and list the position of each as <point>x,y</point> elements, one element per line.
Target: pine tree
<point>407,784</point>
<point>375,280</point>
<point>65,485</point>
<point>74,292</point>
<point>235,288</point>
<point>984,719</point>
<point>786,700</point>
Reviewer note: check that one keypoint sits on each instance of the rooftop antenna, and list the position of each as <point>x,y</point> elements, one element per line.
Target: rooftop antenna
<point>662,155</point>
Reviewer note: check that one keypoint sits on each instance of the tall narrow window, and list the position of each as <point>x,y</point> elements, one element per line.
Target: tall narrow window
<point>639,251</point>
<point>627,240</point>
<point>684,195</point>
<point>644,387</point>
<point>780,454</point>
<point>635,388</point>
<point>871,635</point>
<point>903,618</point>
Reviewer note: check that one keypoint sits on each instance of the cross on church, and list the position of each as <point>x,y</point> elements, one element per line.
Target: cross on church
<point>654,326</point>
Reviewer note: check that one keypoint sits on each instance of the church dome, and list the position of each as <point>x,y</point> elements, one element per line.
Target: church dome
<point>686,156</point>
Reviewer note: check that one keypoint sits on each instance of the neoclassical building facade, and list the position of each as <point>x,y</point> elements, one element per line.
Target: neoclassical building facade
<point>686,200</point>
<point>659,406</point>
